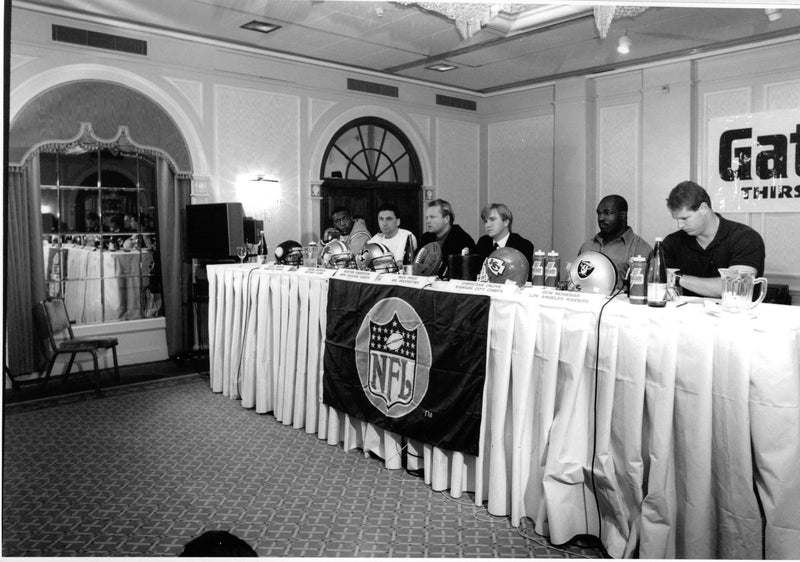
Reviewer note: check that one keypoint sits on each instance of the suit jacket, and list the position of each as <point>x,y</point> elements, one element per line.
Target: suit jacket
<point>456,241</point>
<point>486,246</point>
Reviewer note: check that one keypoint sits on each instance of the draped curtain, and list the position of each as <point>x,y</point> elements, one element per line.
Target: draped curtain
<point>176,274</point>
<point>24,267</point>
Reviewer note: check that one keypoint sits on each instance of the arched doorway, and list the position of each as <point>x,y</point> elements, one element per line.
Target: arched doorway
<point>369,162</point>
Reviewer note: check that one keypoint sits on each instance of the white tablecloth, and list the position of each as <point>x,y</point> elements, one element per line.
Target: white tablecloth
<point>692,440</point>
<point>121,286</point>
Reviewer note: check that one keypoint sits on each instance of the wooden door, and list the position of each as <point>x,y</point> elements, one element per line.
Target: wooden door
<point>364,198</point>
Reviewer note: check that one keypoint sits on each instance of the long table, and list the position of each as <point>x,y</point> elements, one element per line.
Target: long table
<point>120,276</point>
<point>680,438</point>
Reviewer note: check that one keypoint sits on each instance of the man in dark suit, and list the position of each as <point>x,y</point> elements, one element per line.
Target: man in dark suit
<point>440,222</point>
<point>497,220</point>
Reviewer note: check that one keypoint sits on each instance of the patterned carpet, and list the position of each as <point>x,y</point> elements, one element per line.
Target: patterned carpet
<point>143,469</point>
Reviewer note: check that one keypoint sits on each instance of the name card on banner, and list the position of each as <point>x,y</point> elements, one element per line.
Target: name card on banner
<point>481,288</point>
<point>357,275</point>
<point>276,267</point>
<point>317,271</point>
<point>416,281</point>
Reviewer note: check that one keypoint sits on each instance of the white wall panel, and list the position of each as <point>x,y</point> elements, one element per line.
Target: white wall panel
<point>521,175</point>
<point>618,153</point>
<point>258,132</point>
<point>458,170</point>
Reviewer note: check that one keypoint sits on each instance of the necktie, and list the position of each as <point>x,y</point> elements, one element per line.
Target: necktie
<point>496,245</point>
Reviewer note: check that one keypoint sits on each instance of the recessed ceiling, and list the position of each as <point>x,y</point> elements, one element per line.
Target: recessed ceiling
<point>541,43</point>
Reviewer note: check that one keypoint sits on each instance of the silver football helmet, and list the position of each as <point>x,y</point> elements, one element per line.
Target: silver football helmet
<point>336,255</point>
<point>376,257</point>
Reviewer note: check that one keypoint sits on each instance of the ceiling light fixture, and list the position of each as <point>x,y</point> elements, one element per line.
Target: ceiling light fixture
<point>441,67</point>
<point>469,17</point>
<point>624,45</point>
<point>260,26</point>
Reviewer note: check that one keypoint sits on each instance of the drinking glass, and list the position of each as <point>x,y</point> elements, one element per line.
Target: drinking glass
<point>241,251</point>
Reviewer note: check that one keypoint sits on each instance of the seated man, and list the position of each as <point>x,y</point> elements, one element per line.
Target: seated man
<point>706,242</point>
<point>440,223</point>
<point>353,232</point>
<point>616,239</point>
<point>497,220</point>
<point>391,235</point>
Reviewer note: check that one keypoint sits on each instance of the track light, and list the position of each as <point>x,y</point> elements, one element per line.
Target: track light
<point>624,45</point>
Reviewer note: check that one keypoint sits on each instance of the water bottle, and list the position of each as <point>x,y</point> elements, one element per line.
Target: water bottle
<point>657,277</point>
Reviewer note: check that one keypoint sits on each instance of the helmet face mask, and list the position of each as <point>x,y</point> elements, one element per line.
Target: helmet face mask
<point>336,255</point>
<point>289,252</point>
<point>377,257</point>
<point>593,272</point>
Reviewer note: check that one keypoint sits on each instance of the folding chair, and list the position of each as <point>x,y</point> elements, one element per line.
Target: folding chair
<point>53,325</point>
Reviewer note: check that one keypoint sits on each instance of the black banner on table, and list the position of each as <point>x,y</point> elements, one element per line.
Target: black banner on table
<point>408,360</point>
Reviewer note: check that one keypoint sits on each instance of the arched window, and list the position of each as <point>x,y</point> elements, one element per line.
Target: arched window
<point>367,163</point>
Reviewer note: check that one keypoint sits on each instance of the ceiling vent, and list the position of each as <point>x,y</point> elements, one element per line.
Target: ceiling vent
<point>458,103</point>
<point>107,41</point>
<point>372,88</point>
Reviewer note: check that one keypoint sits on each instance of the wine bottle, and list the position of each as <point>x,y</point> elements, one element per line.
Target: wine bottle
<point>657,277</point>
<point>408,253</point>
<point>262,248</point>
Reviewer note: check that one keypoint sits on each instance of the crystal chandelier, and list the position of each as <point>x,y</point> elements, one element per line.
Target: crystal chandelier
<point>469,17</point>
<point>604,14</point>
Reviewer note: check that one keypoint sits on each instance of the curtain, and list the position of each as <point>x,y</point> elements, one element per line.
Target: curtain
<point>24,266</point>
<point>173,195</point>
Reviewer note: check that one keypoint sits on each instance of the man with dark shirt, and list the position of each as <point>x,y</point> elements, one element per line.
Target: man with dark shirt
<point>497,220</point>
<point>440,223</point>
<point>616,239</point>
<point>706,242</point>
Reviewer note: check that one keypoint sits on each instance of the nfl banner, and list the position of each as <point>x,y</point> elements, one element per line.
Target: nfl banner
<point>753,162</point>
<point>408,360</point>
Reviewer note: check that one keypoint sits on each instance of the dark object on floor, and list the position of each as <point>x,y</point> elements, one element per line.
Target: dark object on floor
<point>417,473</point>
<point>54,327</point>
<point>778,294</point>
<point>217,544</point>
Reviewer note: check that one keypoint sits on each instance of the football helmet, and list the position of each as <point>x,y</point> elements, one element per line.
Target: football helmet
<point>593,272</point>
<point>336,255</point>
<point>507,264</point>
<point>376,257</point>
<point>289,252</point>
<point>428,259</point>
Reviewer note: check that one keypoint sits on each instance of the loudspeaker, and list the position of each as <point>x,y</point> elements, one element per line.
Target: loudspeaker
<point>213,230</point>
<point>252,230</point>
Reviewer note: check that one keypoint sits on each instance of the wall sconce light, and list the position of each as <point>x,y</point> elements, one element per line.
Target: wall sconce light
<point>259,193</point>
<point>624,45</point>
<point>773,14</point>
<point>316,189</point>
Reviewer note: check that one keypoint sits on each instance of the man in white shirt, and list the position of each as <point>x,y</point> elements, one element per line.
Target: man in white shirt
<point>391,235</point>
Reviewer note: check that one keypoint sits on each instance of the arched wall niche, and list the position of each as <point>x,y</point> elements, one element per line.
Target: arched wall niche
<point>58,113</point>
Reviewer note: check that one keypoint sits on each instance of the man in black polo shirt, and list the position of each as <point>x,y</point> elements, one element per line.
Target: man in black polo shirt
<point>706,242</point>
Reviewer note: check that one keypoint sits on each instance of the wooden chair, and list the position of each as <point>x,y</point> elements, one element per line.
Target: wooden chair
<point>54,327</point>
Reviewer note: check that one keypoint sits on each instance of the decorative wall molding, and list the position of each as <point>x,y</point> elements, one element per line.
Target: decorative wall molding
<point>192,90</point>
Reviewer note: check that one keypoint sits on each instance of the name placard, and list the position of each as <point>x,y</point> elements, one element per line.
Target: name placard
<point>357,275</point>
<point>276,267</point>
<point>481,288</point>
<point>566,297</point>
<point>317,271</point>
<point>417,281</point>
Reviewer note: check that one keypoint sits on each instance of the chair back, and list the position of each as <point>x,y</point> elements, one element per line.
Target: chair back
<point>52,321</point>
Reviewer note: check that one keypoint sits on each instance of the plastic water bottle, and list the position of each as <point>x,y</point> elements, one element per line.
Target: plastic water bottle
<point>657,277</point>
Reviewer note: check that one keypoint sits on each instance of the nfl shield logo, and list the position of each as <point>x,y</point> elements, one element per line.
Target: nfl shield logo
<point>392,361</point>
